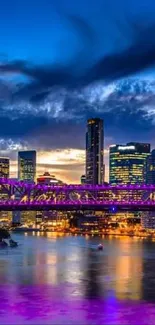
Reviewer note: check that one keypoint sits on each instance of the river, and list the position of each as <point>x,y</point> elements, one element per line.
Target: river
<point>65,280</point>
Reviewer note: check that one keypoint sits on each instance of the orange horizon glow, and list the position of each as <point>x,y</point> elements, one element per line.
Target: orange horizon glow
<point>66,164</point>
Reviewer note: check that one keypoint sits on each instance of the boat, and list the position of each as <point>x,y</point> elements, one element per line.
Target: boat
<point>100,247</point>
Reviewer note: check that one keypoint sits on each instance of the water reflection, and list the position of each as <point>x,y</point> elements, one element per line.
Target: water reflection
<point>128,269</point>
<point>67,279</point>
<point>94,267</point>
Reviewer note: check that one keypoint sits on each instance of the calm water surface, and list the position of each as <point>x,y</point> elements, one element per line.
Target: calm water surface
<point>64,280</point>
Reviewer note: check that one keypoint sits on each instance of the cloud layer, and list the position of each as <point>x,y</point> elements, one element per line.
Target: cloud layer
<point>55,126</point>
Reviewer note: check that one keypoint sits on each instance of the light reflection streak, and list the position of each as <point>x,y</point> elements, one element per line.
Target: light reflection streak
<point>128,277</point>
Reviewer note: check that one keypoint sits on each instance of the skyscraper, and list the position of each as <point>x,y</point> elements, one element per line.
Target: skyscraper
<point>4,173</point>
<point>127,163</point>
<point>4,167</point>
<point>94,151</point>
<point>150,168</point>
<point>27,165</point>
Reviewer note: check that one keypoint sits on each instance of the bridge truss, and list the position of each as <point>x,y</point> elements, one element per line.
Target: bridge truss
<point>15,195</point>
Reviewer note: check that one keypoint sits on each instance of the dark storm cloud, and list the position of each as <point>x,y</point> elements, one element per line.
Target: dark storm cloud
<point>129,125</point>
<point>20,127</point>
<point>86,32</point>
<point>44,76</point>
<point>138,56</point>
<point>40,96</point>
<point>55,135</point>
<point>40,133</point>
<point>46,121</point>
<point>124,107</point>
<point>125,121</point>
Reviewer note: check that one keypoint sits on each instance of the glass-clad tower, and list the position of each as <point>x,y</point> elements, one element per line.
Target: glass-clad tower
<point>4,167</point>
<point>150,168</point>
<point>27,165</point>
<point>127,163</point>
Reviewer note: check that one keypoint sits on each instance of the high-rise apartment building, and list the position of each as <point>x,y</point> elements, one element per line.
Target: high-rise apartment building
<point>4,167</point>
<point>27,165</point>
<point>150,168</point>
<point>127,163</point>
<point>94,151</point>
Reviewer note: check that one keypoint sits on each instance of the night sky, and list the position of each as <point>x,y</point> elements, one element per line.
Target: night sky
<point>64,61</point>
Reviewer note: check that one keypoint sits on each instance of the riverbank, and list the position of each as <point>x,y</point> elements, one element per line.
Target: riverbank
<point>145,234</point>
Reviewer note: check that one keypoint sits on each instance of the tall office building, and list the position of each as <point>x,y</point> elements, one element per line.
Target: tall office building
<point>27,165</point>
<point>150,168</point>
<point>94,151</point>
<point>127,163</point>
<point>4,167</point>
<point>148,218</point>
<point>26,172</point>
<point>5,216</point>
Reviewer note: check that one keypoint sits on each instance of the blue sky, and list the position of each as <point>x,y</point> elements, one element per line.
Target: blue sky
<point>64,61</point>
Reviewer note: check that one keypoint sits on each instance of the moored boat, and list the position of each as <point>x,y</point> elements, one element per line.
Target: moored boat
<point>100,247</point>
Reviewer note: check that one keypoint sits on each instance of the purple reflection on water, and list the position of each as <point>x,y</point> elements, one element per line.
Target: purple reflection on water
<point>65,280</point>
<point>46,305</point>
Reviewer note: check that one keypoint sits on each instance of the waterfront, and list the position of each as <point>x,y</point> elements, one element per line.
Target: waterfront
<point>53,280</point>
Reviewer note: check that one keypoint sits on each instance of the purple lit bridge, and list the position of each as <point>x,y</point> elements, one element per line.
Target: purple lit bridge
<point>16,195</point>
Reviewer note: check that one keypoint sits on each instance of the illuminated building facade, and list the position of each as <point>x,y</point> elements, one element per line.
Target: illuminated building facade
<point>127,163</point>
<point>148,220</point>
<point>150,168</point>
<point>88,223</point>
<point>4,173</point>
<point>94,151</point>
<point>51,218</point>
<point>47,179</point>
<point>4,167</point>
<point>83,179</point>
<point>27,165</point>
<point>26,172</point>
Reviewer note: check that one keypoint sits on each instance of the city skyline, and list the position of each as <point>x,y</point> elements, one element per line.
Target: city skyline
<point>41,168</point>
<point>44,107</point>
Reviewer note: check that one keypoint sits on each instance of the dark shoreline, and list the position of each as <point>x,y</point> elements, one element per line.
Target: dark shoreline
<point>78,233</point>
